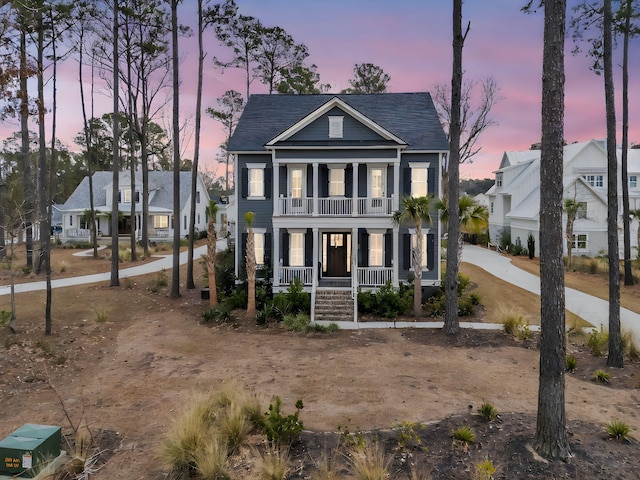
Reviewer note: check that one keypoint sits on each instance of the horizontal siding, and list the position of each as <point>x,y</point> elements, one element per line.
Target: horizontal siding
<point>338,154</point>
<point>263,209</point>
<point>318,130</point>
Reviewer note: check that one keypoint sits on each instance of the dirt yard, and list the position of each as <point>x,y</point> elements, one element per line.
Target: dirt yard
<point>127,359</point>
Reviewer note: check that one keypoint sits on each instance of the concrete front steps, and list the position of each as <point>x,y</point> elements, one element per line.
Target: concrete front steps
<point>333,305</point>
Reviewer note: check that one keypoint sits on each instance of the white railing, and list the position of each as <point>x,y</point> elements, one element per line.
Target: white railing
<point>374,276</point>
<point>78,232</point>
<point>286,274</point>
<point>335,206</point>
<point>295,206</point>
<point>375,206</point>
<point>159,233</point>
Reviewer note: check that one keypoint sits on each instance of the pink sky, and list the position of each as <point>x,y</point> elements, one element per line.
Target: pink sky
<point>411,41</point>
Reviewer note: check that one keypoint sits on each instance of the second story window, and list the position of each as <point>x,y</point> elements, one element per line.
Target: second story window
<point>336,182</point>
<point>595,180</point>
<point>633,181</point>
<point>419,181</point>
<point>256,180</point>
<point>581,212</point>
<point>498,179</point>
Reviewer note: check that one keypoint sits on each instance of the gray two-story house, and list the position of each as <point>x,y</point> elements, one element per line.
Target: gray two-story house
<point>324,174</point>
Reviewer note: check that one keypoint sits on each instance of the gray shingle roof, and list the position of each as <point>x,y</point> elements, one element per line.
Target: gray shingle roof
<point>410,116</point>
<point>160,182</point>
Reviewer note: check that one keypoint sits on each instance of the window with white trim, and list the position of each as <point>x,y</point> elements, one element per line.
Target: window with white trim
<point>414,241</point>
<point>336,182</point>
<point>376,182</point>
<point>256,182</point>
<point>633,181</point>
<point>336,126</point>
<point>258,242</point>
<point>160,221</point>
<point>376,250</point>
<point>296,181</point>
<point>498,179</point>
<point>580,241</point>
<point>594,180</point>
<point>296,249</point>
<point>419,181</point>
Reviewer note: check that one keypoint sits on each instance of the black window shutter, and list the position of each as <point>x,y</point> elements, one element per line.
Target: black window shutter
<point>243,252</point>
<point>324,181</point>
<point>308,248</point>
<point>348,181</point>
<point>285,249</point>
<point>431,181</point>
<point>268,174</point>
<point>363,242</point>
<point>388,249</point>
<point>267,248</point>
<point>390,181</point>
<point>310,181</point>
<point>244,182</point>
<point>431,251</point>
<point>406,251</point>
<point>362,181</point>
<point>406,181</point>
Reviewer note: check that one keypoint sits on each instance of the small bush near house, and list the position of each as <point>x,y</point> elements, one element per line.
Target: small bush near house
<point>282,429</point>
<point>466,302</point>
<point>220,313</point>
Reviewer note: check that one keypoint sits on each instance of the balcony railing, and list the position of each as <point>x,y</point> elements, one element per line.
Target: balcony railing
<point>335,207</point>
<point>286,274</point>
<point>374,276</point>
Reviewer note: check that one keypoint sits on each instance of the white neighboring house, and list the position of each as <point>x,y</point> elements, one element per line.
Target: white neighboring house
<point>160,222</point>
<point>514,199</point>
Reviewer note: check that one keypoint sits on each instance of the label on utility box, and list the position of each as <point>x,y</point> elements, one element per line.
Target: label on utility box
<point>26,460</point>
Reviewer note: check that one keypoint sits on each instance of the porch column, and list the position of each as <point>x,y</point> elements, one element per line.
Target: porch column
<point>354,191</point>
<point>276,188</point>
<point>276,257</point>
<point>396,260</point>
<point>396,186</point>
<point>314,267</point>
<point>316,192</point>
<point>354,271</point>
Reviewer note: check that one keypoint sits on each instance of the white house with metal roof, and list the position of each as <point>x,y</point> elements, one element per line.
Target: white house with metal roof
<point>514,199</point>
<point>160,218</point>
<point>324,174</point>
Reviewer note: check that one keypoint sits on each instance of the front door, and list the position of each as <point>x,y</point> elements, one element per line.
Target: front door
<point>336,254</point>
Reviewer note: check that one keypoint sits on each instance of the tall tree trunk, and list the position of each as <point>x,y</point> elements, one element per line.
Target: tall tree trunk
<point>628,274</point>
<point>43,237</point>
<point>88,140</point>
<point>615,358</point>
<point>27,181</point>
<point>115,250</point>
<point>175,278</point>
<point>451,322</point>
<point>551,435</point>
<point>49,187</point>
<point>212,240</point>
<point>196,153</point>
<point>251,273</point>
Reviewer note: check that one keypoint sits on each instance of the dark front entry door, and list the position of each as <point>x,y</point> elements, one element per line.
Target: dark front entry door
<point>337,258</point>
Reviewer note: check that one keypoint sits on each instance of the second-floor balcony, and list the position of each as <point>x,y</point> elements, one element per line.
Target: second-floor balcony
<point>334,207</point>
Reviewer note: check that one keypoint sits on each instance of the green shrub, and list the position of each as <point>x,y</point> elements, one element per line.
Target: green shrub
<point>598,342</point>
<point>571,363</point>
<point>464,435</point>
<point>299,299</point>
<point>237,298</point>
<point>488,412</point>
<point>531,246</point>
<point>484,470</point>
<point>601,376</point>
<point>387,302</point>
<point>618,430</point>
<point>101,316</point>
<point>475,298</point>
<point>221,313</point>
<point>408,436</point>
<point>5,316</point>
<point>299,322</point>
<point>161,279</point>
<point>282,429</point>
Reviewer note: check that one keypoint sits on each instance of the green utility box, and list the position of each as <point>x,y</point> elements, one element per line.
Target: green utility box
<point>29,447</point>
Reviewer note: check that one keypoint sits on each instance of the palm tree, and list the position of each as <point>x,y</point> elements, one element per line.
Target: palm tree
<point>210,259</point>
<point>474,218</point>
<point>251,266</point>
<point>415,211</point>
<point>570,206</point>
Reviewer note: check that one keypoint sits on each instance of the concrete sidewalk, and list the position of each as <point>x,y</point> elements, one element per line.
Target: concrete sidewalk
<point>594,310</point>
<point>164,262</point>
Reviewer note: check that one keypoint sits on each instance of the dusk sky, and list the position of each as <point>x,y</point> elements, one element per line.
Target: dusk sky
<point>411,41</point>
